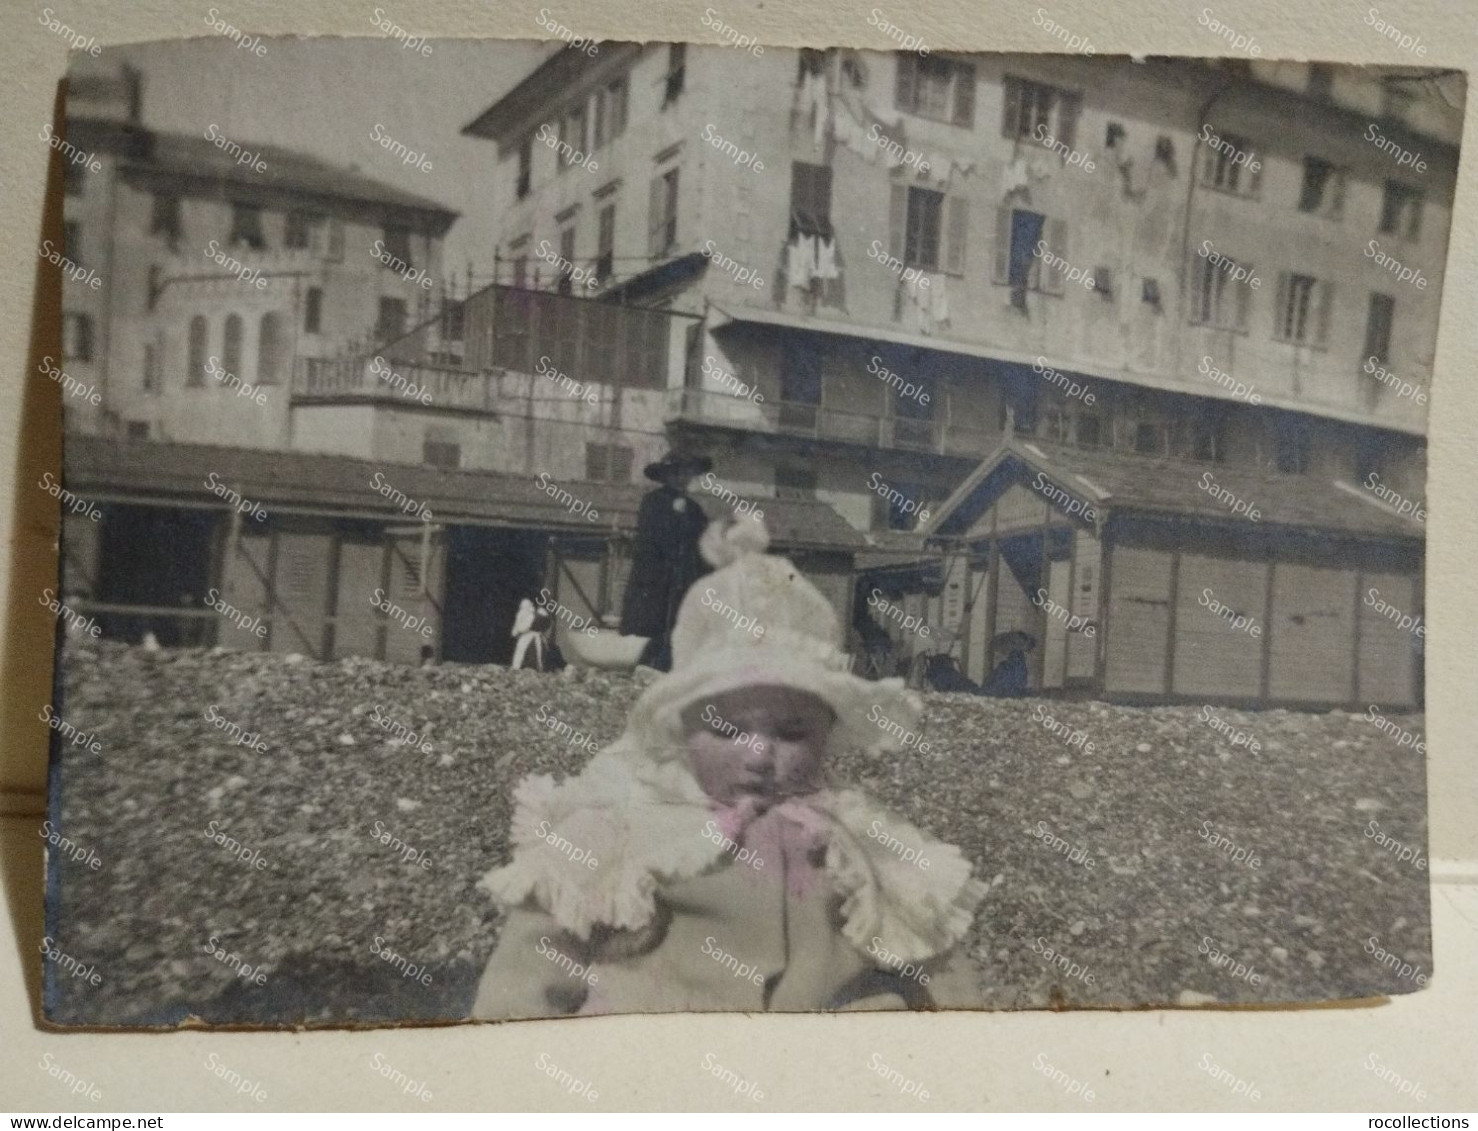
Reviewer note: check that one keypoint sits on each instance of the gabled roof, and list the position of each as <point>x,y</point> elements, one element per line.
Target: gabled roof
<point>145,472</point>
<point>190,156</point>
<point>1118,483</point>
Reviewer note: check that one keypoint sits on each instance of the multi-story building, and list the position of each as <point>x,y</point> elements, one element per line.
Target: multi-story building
<point>898,254</point>
<point>900,263</point>
<point>221,262</point>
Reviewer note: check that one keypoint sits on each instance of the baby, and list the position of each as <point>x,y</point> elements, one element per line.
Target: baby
<point>703,862</point>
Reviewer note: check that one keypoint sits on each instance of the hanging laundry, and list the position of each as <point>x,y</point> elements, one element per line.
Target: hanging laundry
<point>1015,177</point>
<point>826,258</point>
<point>814,101</point>
<point>800,261</point>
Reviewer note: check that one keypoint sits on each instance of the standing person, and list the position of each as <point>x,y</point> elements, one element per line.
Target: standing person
<point>529,627</point>
<point>664,559</point>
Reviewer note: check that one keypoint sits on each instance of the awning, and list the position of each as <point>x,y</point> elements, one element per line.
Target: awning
<point>1207,389</point>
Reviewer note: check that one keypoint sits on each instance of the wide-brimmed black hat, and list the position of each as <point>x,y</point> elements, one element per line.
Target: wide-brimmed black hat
<point>675,461</point>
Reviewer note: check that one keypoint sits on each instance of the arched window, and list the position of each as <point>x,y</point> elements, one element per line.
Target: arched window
<point>195,364</point>
<point>231,348</point>
<point>271,350</point>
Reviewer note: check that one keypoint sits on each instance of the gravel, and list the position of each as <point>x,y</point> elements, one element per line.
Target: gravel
<point>1146,923</point>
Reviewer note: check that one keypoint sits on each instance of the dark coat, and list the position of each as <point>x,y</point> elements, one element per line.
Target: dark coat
<point>664,562</point>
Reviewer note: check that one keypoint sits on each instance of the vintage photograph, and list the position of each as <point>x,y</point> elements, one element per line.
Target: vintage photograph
<point>576,527</point>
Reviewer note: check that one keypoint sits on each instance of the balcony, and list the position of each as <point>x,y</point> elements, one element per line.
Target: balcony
<point>329,379</point>
<point>820,422</point>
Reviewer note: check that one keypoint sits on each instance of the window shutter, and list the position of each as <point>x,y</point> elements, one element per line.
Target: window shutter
<point>1012,113</point>
<point>1280,312</point>
<point>1051,278</point>
<point>1255,188</point>
<point>905,90</point>
<point>1068,108</point>
<point>964,94</point>
<point>655,224</point>
<point>955,223</point>
<point>1414,229</point>
<point>1244,303</point>
<point>1208,166</point>
<point>1002,270</point>
<point>1321,325</point>
<point>897,219</point>
<point>1337,194</point>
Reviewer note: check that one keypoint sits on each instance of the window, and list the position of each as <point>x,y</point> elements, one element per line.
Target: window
<point>335,251</point>
<point>565,285</point>
<point>608,463</point>
<point>1208,437</point>
<point>677,58</point>
<point>151,368</point>
<point>1292,446</point>
<point>1019,232</point>
<point>902,513</point>
<point>571,134</point>
<point>795,482</point>
<point>931,87</point>
<point>1220,168</point>
<point>605,254</point>
<point>1303,310</point>
<point>440,448</point>
<point>72,241</point>
<point>1215,300</point>
<point>610,112</point>
<point>1151,437</point>
<point>1323,191</point>
<point>313,310</point>
<point>195,361</point>
<point>1401,211</point>
<point>1321,80</point>
<point>921,230</point>
<point>812,62</point>
<point>246,226</point>
<point>391,321</point>
<point>301,230</point>
<point>810,200</point>
<point>927,229</point>
<point>77,337</point>
<point>525,166</point>
<point>1032,104</point>
<point>453,320</point>
<point>397,243</point>
<point>272,349</point>
<point>1378,328</point>
<point>231,345</point>
<point>800,385</point>
<point>164,218</point>
<point>138,429</point>
<point>75,179</point>
<point>662,229</point>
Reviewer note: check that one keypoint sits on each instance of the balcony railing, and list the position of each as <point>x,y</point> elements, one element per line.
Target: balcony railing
<point>382,379</point>
<point>821,422</point>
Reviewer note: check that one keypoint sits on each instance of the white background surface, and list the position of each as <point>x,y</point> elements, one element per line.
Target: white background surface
<point>1306,1059</point>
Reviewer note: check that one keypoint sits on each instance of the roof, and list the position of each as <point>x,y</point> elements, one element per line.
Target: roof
<point>1112,482</point>
<point>548,83</point>
<point>144,472</point>
<point>186,155</point>
<point>1207,390</point>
